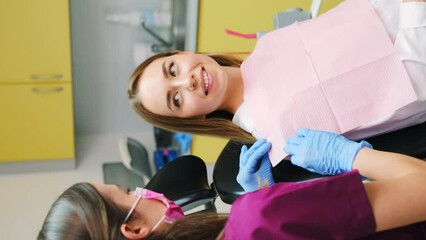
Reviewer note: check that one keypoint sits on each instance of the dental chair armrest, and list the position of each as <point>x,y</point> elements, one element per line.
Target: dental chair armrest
<point>225,173</point>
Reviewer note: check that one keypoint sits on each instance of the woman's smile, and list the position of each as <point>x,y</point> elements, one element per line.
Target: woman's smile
<point>207,80</point>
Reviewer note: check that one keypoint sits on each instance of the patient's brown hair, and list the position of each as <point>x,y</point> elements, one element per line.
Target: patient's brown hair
<point>82,213</point>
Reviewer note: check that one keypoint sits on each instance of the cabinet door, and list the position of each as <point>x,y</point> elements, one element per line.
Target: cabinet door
<point>35,41</point>
<point>36,122</point>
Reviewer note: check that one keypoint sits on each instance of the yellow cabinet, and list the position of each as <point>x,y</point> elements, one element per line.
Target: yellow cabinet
<point>35,41</point>
<point>36,122</point>
<point>207,148</point>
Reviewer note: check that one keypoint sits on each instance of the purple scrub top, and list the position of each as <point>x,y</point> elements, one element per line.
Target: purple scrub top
<point>328,208</point>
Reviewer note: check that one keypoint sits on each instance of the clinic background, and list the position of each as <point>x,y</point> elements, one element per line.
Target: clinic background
<point>103,55</point>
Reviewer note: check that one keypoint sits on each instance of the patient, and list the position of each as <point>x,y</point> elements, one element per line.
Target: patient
<point>337,207</point>
<point>212,95</point>
<point>98,211</point>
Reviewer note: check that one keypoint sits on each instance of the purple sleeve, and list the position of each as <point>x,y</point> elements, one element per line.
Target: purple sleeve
<point>329,208</point>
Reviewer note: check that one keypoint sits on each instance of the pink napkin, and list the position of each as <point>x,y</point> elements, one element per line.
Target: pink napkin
<point>334,73</point>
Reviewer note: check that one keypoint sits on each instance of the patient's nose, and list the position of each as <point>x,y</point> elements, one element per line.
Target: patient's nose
<point>190,82</point>
<point>185,82</point>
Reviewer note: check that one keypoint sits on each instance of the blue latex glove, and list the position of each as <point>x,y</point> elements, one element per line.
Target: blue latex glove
<point>323,152</point>
<point>248,176</point>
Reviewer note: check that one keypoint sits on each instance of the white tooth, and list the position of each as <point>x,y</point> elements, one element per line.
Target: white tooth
<point>206,80</point>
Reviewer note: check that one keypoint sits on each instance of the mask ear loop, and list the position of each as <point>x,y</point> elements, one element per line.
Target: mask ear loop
<point>158,223</point>
<point>131,210</point>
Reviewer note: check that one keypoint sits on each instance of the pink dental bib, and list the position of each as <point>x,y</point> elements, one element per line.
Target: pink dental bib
<point>334,73</point>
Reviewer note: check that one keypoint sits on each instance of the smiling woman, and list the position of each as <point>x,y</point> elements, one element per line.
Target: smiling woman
<point>188,85</point>
<point>189,81</point>
<point>272,94</point>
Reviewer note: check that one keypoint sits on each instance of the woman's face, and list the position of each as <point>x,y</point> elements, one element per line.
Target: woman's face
<point>147,211</point>
<point>183,85</point>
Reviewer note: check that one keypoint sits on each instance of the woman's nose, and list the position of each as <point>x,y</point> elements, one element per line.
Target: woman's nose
<point>189,82</point>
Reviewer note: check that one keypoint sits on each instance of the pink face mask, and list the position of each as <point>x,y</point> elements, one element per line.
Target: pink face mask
<point>173,211</point>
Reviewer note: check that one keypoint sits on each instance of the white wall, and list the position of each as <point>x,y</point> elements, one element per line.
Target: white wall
<point>102,63</point>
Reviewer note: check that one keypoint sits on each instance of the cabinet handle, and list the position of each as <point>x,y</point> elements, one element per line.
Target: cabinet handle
<point>46,77</point>
<point>47,90</point>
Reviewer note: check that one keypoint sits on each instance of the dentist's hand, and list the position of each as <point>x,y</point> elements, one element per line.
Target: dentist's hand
<point>323,152</point>
<point>248,176</point>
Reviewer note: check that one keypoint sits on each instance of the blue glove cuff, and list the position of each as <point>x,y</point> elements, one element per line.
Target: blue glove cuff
<point>364,143</point>
<point>358,147</point>
<point>271,182</point>
<point>266,174</point>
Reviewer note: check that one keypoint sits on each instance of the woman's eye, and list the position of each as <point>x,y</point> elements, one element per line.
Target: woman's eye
<point>128,190</point>
<point>176,100</point>
<point>172,70</point>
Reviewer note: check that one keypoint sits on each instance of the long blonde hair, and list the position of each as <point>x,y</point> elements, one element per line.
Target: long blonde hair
<point>218,123</point>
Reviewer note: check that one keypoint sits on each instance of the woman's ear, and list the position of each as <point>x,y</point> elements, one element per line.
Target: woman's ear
<point>134,231</point>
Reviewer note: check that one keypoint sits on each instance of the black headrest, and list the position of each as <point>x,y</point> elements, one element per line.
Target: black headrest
<point>182,179</point>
